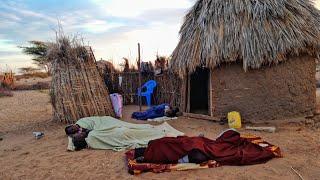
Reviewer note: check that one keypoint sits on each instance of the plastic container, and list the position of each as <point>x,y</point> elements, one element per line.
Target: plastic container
<point>234,120</point>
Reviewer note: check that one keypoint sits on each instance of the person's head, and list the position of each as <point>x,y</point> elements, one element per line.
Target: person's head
<point>172,112</point>
<point>138,152</point>
<point>72,129</point>
<point>79,140</point>
<point>196,156</point>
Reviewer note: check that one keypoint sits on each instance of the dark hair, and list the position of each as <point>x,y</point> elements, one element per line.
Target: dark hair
<point>139,152</point>
<point>172,112</point>
<point>197,156</point>
<point>67,130</point>
<point>79,141</point>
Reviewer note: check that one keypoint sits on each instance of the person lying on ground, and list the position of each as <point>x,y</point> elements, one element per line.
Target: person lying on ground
<point>228,149</point>
<point>110,133</point>
<point>156,111</point>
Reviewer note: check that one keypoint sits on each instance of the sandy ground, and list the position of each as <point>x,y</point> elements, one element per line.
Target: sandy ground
<point>24,157</point>
<point>24,109</point>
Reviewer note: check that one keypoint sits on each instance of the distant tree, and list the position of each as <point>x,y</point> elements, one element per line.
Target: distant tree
<point>38,51</point>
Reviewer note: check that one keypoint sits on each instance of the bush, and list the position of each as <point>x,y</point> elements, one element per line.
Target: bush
<point>7,79</point>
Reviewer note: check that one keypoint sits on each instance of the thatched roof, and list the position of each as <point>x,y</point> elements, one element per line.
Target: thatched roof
<point>106,66</point>
<point>254,32</point>
<point>77,89</point>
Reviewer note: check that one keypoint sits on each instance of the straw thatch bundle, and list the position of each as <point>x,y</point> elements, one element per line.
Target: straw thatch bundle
<point>254,32</point>
<point>77,89</point>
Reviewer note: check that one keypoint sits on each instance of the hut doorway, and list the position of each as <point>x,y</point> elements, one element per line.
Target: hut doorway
<point>199,91</point>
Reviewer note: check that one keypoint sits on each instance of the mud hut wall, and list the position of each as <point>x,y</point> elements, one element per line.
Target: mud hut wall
<point>167,91</point>
<point>285,90</point>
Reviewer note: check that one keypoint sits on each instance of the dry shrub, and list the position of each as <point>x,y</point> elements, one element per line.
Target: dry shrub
<point>7,79</point>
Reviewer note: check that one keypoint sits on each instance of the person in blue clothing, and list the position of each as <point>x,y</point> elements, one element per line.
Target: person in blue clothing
<point>155,112</point>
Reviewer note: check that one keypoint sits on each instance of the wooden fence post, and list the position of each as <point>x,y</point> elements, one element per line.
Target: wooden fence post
<point>139,69</point>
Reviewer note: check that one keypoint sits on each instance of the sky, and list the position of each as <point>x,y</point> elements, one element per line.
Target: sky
<point>112,27</point>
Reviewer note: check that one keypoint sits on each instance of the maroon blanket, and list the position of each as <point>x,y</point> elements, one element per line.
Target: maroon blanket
<point>229,149</point>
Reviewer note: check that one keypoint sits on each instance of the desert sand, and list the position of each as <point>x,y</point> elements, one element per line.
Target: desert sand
<point>24,157</point>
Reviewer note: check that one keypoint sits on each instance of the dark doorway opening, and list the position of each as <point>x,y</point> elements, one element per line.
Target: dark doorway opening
<point>199,91</point>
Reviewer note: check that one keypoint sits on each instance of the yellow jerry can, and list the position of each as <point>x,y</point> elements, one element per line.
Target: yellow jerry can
<point>234,120</point>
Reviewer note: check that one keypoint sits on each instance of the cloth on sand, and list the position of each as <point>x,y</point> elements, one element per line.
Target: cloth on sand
<point>230,148</point>
<point>71,146</point>
<point>109,133</point>
<point>136,168</point>
<point>151,113</point>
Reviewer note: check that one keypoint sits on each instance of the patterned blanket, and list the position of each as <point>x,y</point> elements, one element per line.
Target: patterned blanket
<point>136,168</point>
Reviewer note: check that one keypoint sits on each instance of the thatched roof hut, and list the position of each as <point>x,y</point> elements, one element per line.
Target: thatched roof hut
<point>253,56</point>
<point>106,66</point>
<point>255,32</point>
<point>77,89</point>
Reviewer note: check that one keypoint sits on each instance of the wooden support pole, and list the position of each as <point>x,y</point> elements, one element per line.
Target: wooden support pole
<point>139,69</point>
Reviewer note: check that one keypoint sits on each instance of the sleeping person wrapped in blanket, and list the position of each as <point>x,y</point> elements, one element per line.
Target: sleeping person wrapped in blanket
<point>156,112</point>
<point>108,133</point>
<point>176,153</point>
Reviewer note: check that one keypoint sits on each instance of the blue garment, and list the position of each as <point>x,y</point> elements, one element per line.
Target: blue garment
<point>183,160</point>
<point>154,112</point>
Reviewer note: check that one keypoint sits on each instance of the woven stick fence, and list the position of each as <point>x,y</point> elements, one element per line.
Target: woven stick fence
<point>77,88</point>
<point>167,91</point>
